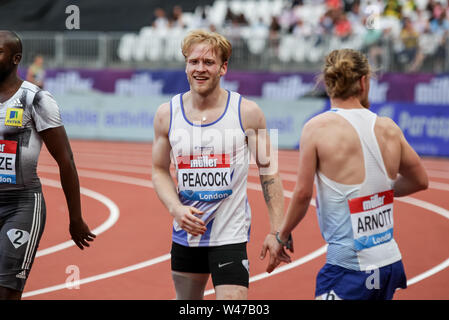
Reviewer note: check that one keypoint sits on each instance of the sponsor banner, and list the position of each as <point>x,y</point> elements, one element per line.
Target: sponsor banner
<point>426,127</point>
<point>388,87</point>
<point>117,117</point>
<point>114,117</point>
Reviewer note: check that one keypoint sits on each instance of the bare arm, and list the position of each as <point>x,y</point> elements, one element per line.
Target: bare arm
<point>412,175</point>
<point>58,145</point>
<point>303,191</point>
<point>162,180</point>
<point>259,144</point>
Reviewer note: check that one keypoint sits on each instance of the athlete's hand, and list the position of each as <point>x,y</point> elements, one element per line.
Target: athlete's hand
<point>277,252</point>
<point>80,233</point>
<point>186,219</point>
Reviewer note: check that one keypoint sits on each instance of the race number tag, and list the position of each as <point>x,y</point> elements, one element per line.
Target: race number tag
<point>8,150</point>
<point>204,177</point>
<point>372,219</point>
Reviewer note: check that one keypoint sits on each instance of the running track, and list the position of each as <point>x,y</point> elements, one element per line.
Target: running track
<point>129,258</point>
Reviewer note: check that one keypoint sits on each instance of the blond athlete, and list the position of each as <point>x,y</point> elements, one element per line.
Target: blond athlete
<point>208,131</point>
<point>360,163</point>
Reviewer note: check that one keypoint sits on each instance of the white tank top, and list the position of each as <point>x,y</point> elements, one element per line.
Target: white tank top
<point>357,220</point>
<point>211,162</point>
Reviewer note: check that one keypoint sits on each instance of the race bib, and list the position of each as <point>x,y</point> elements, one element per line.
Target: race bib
<point>8,151</point>
<point>372,219</point>
<point>204,177</point>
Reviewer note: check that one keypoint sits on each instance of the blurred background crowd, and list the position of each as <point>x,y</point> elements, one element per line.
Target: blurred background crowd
<point>271,35</point>
<point>407,32</point>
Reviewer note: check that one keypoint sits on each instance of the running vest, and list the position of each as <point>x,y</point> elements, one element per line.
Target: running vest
<point>29,111</point>
<point>357,220</point>
<point>211,163</point>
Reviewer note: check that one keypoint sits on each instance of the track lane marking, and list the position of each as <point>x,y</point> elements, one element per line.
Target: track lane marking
<point>114,214</point>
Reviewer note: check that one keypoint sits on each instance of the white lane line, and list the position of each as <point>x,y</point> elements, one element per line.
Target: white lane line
<point>438,174</point>
<point>106,275</point>
<point>103,176</point>
<point>439,186</point>
<point>429,272</point>
<point>439,210</point>
<point>114,214</point>
<point>147,263</point>
<point>253,186</point>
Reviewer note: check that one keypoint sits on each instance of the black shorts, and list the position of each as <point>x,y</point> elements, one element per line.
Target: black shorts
<point>22,221</point>
<point>227,264</point>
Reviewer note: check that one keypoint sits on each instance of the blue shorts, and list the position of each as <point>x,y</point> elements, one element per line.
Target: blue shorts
<point>338,283</point>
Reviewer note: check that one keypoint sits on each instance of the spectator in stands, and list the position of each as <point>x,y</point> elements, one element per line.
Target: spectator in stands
<point>342,26</point>
<point>274,31</point>
<point>440,28</point>
<point>408,8</point>
<point>176,17</point>
<point>355,18</point>
<point>302,30</point>
<point>334,4</point>
<point>373,45</point>
<point>393,8</point>
<point>160,21</point>
<point>421,21</point>
<point>229,17</point>
<point>326,24</point>
<point>410,54</point>
<point>241,20</point>
<point>429,44</point>
<point>36,72</point>
<point>440,25</point>
<point>201,21</point>
<point>288,17</point>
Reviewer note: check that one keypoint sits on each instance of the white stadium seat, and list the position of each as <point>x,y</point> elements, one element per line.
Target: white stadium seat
<point>126,46</point>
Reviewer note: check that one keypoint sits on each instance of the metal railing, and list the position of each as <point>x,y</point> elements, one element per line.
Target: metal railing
<point>283,53</point>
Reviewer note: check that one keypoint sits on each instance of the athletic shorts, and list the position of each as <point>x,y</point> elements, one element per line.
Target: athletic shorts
<point>338,283</point>
<point>227,264</point>
<point>22,221</point>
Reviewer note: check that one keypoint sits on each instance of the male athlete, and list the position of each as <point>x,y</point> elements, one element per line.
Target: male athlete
<point>207,131</point>
<point>361,162</point>
<point>28,117</point>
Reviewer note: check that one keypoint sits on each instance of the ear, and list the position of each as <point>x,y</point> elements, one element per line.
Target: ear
<point>224,68</point>
<point>16,58</point>
<point>363,84</point>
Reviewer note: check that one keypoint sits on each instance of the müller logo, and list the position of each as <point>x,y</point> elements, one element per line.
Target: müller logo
<point>203,162</point>
<point>374,202</point>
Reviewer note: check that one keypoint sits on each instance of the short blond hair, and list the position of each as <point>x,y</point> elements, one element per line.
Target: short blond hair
<point>342,70</point>
<point>219,43</point>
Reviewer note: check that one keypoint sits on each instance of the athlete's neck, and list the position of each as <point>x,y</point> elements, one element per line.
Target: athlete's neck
<point>209,101</point>
<point>9,86</point>
<point>350,103</point>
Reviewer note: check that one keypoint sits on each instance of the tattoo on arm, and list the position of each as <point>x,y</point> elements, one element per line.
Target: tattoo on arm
<point>265,188</point>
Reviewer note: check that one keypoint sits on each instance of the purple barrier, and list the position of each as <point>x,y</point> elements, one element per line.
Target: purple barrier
<point>389,87</point>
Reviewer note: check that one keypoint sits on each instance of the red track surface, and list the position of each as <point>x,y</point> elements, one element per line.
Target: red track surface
<point>121,173</point>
